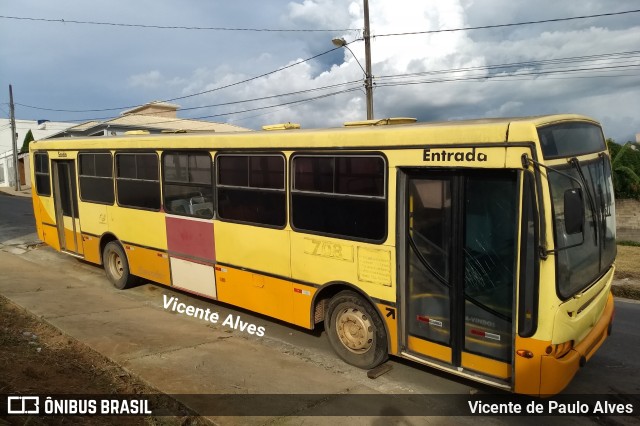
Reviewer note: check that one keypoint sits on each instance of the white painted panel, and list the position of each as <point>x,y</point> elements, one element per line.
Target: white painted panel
<point>193,277</point>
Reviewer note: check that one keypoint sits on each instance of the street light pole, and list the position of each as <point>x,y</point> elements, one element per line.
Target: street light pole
<point>367,54</point>
<point>14,141</point>
<point>368,78</point>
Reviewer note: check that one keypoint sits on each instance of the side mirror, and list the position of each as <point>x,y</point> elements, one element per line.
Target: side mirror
<point>573,211</point>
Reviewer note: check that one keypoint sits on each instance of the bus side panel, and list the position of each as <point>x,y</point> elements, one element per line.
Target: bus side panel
<point>93,221</point>
<point>389,315</point>
<point>321,260</point>
<point>46,212</point>
<point>35,200</point>
<point>144,233</point>
<point>265,295</point>
<point>50,236</point>
<point>139,227</point>
<point>253,247</point>
<point>91,246</point>
<point>150,264</point>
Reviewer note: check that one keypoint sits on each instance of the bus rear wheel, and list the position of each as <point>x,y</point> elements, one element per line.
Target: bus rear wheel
<point>355,330</point>
<point>117,267</point>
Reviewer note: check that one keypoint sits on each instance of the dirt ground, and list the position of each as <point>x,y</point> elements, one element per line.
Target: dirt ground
<point>627,278</point>
<point>35,358</point>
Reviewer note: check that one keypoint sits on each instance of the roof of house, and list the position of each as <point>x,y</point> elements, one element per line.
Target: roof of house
<point>155,107</point>
<point>83,126</point>
<point>158,116</point>
<point>168,123</point>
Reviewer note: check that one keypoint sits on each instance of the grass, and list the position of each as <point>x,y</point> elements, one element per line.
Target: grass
<point>628,269</point>
<point>629,243</point>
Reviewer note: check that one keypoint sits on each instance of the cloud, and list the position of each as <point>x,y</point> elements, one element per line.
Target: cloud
<point>500,93</point>
<point>147,80</point>
<point>415,75</point>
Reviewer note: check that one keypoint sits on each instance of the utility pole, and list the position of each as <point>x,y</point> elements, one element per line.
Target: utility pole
<point>367,54</point>
<point>14,140</point>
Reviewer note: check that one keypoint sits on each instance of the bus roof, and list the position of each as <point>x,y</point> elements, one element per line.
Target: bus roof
<point>489,130</point>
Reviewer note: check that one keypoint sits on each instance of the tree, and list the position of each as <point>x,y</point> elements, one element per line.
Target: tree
<point>25,145</point>
<point>625,164</point>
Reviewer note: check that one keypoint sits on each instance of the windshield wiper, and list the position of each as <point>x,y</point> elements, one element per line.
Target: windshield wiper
<point>592,205</point>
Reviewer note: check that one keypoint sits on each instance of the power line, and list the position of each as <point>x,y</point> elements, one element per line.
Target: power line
<point>182,27</point>
<point>568,60</point>
<point>485,27</point>
<point>315,89</point>
<point>193,94</point>
<point>288,66</point>
<point>403,79</point>
<point>176,27</point>
<point>299,101</point>
<point>513,76</point>
<point>501,78</point>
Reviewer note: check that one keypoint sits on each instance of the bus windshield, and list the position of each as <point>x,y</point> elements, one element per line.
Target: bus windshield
<point>584,256</point>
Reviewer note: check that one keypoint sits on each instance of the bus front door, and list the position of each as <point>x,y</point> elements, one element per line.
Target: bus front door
<point>459,269</point>
<point>66,206</point>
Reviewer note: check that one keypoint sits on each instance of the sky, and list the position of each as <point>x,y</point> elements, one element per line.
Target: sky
<point>586,66</point>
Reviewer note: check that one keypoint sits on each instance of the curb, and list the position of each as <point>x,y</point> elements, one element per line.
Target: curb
<point>628,291</point>
<point>12,193</point>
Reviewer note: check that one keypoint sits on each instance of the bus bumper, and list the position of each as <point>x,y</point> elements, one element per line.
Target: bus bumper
<point>556,373</point>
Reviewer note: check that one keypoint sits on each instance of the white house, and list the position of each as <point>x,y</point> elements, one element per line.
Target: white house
<point>40,129</point>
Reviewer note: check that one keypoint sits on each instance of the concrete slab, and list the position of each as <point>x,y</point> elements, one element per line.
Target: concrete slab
<point>17,276</point>
<point>72,299</point>
<point>123,334</point>
<point>246,374</point>
<point>13,250</point>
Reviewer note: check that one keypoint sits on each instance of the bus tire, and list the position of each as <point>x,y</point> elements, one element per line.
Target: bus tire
<point>117,267</point>
<point>355,330</point>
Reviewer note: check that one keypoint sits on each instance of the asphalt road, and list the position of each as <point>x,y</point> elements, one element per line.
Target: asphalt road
<point>16,218</point>
<point>615,368</point>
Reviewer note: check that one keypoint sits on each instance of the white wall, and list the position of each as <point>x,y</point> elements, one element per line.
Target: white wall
<point>22,128</point>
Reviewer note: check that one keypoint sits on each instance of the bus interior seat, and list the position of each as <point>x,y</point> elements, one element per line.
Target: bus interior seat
<point>179,206</point>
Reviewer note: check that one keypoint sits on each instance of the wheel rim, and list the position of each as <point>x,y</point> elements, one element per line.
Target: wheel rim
<point>116,267</point>
<point>355,330</point>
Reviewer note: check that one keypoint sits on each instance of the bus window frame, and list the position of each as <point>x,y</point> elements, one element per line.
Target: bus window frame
<point>249,154</point>
<point>602,271</point>
<point>93,176</point>
<point>528,295</point>
<point>115,173</point>
<point>335,154</point>
<point>163,181</point>
<point>37,173</point>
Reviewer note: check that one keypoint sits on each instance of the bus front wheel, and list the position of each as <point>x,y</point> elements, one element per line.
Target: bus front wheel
<point>355,330</point>
<point>116,266</point>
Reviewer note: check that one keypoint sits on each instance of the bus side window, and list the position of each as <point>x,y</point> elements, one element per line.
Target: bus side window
<point>250,189</point>
<point>188,188</point>
<point>96,177</point>
<point>43,183</point>
<point>341,196</point>
<point>137,180</point>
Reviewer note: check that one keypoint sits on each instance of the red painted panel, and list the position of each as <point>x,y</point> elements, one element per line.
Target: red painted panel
<point>190,237</point>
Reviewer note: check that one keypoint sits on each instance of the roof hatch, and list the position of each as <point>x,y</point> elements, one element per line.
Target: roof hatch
<point>381,122</point>
<point>281,126</point>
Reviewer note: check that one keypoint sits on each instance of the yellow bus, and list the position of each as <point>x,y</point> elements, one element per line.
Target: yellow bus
<point>484,248</point>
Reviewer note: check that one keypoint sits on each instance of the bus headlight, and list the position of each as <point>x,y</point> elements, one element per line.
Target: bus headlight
<point>559,350</point>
